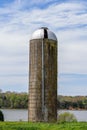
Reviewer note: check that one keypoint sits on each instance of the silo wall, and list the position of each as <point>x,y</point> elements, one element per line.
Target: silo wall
<point>50,61</point>
<point>35,81</point>
<point>49,67</point>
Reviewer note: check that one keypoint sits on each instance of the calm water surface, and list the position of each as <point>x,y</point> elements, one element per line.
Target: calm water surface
<point>22,114</point>
<point>15,114</point>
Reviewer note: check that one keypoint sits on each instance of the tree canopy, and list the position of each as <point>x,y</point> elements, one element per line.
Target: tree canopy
<point>20,100</point>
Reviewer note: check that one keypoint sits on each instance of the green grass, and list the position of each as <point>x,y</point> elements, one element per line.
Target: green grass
<point>42,126</point>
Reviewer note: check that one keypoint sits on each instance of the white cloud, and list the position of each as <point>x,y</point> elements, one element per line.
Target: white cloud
<point>68,20</point>
<point>73,51</point>
<point>56,16</point>
<point>14,83</point>
<point>72,84</point>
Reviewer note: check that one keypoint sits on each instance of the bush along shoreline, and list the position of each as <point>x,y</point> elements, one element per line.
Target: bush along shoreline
<point>66,117</point>
<point>1,116</point>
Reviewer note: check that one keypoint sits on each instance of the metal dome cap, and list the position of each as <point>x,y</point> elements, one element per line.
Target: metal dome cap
<point>43,33</point>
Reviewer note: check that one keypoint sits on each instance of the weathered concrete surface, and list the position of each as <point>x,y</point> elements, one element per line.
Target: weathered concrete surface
<point>36,112</point>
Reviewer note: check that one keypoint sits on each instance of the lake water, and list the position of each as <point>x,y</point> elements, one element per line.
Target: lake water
<point>22,114</point>
<point>15,114</point>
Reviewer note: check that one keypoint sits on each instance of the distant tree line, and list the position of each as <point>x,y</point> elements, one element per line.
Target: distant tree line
<point>69,102</point>
<point>20,100</point>
<point>13,100</point>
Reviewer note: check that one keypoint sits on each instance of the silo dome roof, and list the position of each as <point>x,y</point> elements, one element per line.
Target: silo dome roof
<point>43,33</point>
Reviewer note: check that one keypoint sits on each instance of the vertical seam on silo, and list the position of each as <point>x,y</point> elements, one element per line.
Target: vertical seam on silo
<point>43,79</point>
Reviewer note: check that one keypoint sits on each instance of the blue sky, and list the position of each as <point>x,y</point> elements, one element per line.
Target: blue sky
<point>67,19</point>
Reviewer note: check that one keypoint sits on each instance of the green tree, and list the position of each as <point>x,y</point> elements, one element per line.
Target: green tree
<point>1,116</point>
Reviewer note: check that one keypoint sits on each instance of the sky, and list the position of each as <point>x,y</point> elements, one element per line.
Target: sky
<point>67,19</point>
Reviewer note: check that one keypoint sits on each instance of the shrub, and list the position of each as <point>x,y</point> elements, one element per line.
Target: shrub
<point>1,116</point>
<point>66,117</point>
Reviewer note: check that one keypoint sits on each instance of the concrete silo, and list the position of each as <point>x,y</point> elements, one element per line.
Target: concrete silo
<point>43,76</point>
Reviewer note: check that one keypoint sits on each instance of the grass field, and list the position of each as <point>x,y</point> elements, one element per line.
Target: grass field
<point>42,126</point>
